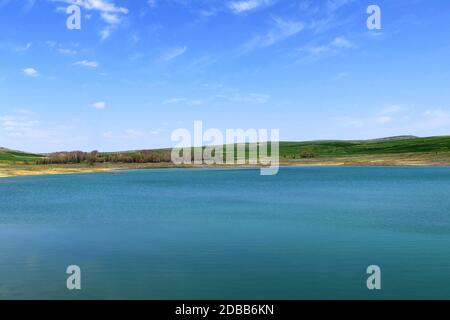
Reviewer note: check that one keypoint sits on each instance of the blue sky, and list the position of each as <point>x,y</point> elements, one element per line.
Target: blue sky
<point>139,69</point>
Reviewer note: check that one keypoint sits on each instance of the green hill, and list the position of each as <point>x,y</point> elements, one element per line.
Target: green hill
<point>402,145</point>
<point>385,146</point>
<point>17,156</point>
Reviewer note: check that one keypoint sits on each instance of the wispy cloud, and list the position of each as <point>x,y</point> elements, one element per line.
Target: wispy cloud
<point>16,48</point>
<point>130,134</point>
<point>187,101</point>
<point>110,13</point>
<point>436,118</point>
<point>253,98</point>
<point>87,63</point>
<point>396,120</point>
<point>384,119</point>
<point>65,51</point>
<point>24,48</point>
<point>327,15</point>
<point>17,126</point>
<point>341,75</point>
<point>22,128</point>
<point>105,33</point>
<point>98,5</point>
<point>333,5</point>
<point>99,105</point>
<point>392,109</point>
<point>24,111</point>
<point>282,29</point>
<point>334,47</point>
<point>30,72</point>
<point>174,53</point>
<point>238,7</point>
<point>111,18</point>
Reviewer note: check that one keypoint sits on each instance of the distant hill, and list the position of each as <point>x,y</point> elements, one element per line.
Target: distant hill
<point>396,138</point>
<point>19,156</point>
<point>288,150</point>
<point>384,146</point>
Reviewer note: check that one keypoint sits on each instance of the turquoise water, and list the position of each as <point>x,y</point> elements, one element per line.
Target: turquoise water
<point>227,234</point>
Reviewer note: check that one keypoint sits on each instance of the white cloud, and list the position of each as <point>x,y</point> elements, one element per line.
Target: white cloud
<point>341,75</point>
<point>132,133</point>
<point>238,7</point>
<point>99,5</point>
<point>30,72</point>
<point>190,102</point>
<point>392,109</point>
<point>23,131</point>
<point>351,122</point>
<point>330,49</point>
<point>173,53</point>
<point>26,47</point>
<point>87,63</point>
<point>208,12</point>
<point>67,51</point>
<point>393,120</point>
<point>17,126</point>
<point>105,33</point>
<point>386,115</point>
<point>341,42</point>
<point>254,98</point>
<point>111,18</point>
<point>326,15</point>
<point>383,119</point>
<point>369,122</point>
<point>333,5</point>
<point>24,111</point>
<point>430,122</point>
<point>174,100</point>
<point>281,30</point>
<point>436,118</point>
<point>152,3</point>
<point>257,98</point>
<point>99,105</point>
<point>16,47</point>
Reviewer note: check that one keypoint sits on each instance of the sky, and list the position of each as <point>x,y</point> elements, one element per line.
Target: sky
<point>137,70</point>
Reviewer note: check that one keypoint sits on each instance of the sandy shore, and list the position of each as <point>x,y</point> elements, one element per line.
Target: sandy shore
<point>32,170</point>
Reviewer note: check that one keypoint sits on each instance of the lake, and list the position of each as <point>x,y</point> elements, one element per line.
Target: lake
<point>306,233</point>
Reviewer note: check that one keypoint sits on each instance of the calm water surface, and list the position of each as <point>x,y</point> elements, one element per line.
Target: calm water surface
<point>222,234</point>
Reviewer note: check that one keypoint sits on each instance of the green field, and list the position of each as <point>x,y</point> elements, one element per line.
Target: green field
<point>386,146</point>
<point>7,155</point>
<point>311,149</point>
<point>377,147</point>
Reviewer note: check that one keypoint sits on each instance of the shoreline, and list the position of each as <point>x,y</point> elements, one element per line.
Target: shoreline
<point>8,170</point>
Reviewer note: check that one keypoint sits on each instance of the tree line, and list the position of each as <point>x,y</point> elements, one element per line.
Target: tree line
<point>145,156</point>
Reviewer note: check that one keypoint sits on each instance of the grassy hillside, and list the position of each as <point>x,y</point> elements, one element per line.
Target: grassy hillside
<point>386,146</point>
<point>7,155</point>
<point>290,150</point>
